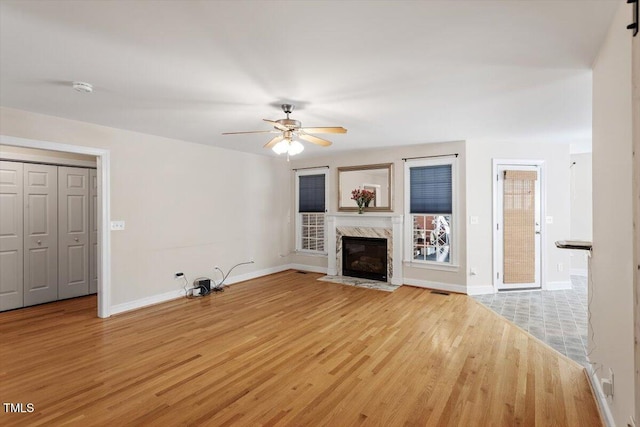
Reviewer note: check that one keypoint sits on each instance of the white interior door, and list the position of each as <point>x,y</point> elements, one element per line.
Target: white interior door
<point>40,233</point>
<point>518,227</point>
<point>73,229</point>
<point>11,235</point>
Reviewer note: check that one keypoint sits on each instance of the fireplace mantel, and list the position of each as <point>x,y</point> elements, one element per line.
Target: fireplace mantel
<point>366,222</point>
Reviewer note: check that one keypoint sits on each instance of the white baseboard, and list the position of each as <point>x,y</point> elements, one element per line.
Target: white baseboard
<point>435,285</point>
<point>601,399</point>
<point>255,274</point>
<point>557,286</point>
<point>179,293</point>
<point>146,301</point>
<point>480,290</point>
<point>579,272</point>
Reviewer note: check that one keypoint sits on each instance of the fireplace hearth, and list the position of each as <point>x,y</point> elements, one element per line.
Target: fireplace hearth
<point>364,257</point>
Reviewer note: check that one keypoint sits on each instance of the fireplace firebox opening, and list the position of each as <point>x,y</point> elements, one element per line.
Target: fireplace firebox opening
<point>364,257</point>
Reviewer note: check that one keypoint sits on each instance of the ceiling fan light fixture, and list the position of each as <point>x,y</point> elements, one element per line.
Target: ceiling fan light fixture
<point>291,147</point>
<point>290,129</point>
<point>281,147</point>
<point>295,148</point>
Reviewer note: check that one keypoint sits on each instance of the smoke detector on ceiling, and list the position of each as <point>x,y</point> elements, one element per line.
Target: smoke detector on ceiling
<point>83,87</point>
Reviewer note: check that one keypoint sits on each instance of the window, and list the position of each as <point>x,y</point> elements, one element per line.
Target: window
<point>430,211</point>
<point>311,195</point>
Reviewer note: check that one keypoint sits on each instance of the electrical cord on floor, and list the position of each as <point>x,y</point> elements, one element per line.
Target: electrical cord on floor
<point>219,287</point>
<point>188,292</point>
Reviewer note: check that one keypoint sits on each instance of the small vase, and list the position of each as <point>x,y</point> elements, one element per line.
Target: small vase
<point>360,209</point>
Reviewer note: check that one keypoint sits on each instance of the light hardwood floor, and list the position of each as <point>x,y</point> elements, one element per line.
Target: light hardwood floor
<point>287,349</point>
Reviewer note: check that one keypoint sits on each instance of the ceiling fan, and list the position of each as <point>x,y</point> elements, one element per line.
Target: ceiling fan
<point>290,132</point>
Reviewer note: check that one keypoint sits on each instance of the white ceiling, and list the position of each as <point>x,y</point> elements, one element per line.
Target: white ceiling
<point>391,72</point>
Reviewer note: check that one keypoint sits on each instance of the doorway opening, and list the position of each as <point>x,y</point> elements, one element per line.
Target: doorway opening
<point>102,209</point>
<point>518,228</point>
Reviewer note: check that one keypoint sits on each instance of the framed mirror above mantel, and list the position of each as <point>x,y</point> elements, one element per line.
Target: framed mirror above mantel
<point>375,178</point>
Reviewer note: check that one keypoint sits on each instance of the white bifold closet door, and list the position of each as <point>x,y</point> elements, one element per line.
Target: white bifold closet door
<point>74,230</point>
<point>11,235</point>
<point>40,233</point>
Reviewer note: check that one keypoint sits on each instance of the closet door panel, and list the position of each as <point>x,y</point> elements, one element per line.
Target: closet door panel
<point>93,235</point>
<point>73,220</point>
<point>40,233</point>
<point>11,235</point>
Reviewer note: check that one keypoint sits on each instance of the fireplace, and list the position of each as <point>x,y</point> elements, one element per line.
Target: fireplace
<point>364,257</point>
<point>381,226</point>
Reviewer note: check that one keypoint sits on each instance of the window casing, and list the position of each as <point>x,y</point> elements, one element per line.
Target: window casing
<point>430,212</point>
<point>311,202</point>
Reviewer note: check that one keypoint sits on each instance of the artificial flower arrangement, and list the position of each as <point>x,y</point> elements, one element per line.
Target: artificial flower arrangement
<point>362,198</point>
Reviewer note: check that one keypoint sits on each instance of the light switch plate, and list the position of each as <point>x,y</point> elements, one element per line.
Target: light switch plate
<point>117,225</point>
<point>549,220</point>
<point>473,220</point>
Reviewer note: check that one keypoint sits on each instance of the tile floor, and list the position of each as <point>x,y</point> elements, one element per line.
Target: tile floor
<point>559,318</point>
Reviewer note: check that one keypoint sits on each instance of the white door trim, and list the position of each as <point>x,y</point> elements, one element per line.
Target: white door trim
<point>48,160</point>
<point>104,198</point>
<point>543,193</point>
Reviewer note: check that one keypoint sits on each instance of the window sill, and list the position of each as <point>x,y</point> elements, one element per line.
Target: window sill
<point>431,266</point>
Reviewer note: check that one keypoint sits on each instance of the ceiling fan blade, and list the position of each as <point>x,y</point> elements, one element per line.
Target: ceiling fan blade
<point>274,141</point>
<point>314,139</point>
<point>334,129</point>
<point>276,124</point>
<point>250,131</point>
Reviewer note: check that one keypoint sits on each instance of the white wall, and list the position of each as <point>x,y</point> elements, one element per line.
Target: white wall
<point>475,198</point>
<point>612,264</point>
<point>394,155</point>
<point>188,207</point>
<point>479,203</point>
<point>581,205</point>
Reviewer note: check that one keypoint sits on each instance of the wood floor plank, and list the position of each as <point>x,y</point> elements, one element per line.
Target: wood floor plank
<point>286,349</point>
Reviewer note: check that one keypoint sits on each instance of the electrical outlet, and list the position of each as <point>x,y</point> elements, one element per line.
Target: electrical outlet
<point>560,266</point>
<point>117,225</point>
<point>607,384</point>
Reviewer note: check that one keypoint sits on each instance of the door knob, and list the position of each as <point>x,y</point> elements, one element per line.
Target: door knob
<point>76,239</point>
<point>39,242</point>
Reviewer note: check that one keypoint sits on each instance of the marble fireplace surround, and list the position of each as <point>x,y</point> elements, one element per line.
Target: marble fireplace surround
<point>365,225</point>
